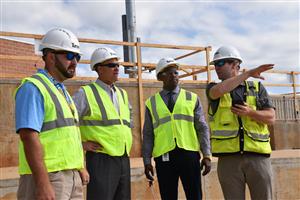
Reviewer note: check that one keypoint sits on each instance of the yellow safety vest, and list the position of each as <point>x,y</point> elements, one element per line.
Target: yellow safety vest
<point>177,125</point>
<point>104,124</point>
<point>224,125</point>
<point>60,136</point>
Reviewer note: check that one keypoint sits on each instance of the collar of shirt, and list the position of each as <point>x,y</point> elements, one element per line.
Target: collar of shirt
<point>106,87</point>
<point>57,84</point>
<point>111,91</point>
<point>166,92</point>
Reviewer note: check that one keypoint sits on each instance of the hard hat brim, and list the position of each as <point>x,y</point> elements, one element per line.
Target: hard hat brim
<point>222,58</point>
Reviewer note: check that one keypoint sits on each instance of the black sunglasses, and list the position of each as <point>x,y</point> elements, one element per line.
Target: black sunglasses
<point>221,63</point>
<point>69,55</point>
<point>110,65</point>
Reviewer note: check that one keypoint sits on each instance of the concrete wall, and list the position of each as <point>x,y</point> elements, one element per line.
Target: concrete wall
<point>286,135</point>
<point>286,180</point>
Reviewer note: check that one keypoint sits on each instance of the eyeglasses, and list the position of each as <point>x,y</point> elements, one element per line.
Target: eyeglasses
<point>221,63</point>
<point>110,65</point>
<point>69,55</point>
<point>170,72</point>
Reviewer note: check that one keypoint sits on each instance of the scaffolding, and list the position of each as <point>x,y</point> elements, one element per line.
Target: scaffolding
<point>187,70</point>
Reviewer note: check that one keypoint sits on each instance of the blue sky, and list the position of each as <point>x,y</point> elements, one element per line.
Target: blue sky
<point>263,31</point>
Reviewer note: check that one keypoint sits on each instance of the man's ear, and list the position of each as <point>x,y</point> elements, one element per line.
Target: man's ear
<point>159,77</point>
<point>50,57</point>
<point>98,70</point>
<point>236,66</point>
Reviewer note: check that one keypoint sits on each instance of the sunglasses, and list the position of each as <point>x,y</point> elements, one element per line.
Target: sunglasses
<point>221,63</point>
<point>69,55</point>
<point>110,65</point>
<point>170,72</point>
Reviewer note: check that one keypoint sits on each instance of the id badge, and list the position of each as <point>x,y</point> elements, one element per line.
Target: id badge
<point>165,157</point>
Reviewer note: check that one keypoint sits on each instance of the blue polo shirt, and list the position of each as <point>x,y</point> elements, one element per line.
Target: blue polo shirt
<point>29,109</point>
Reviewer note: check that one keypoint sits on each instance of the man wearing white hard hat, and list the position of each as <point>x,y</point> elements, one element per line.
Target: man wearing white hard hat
<point>105,125</point>
<point>239,114</point>
<point>174,132</point>
<point>50,149</point>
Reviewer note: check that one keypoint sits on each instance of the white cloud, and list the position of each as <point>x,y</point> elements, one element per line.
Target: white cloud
<point>264,32</point>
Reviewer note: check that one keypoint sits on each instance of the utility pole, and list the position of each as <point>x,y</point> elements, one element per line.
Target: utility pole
<point>131,34</point>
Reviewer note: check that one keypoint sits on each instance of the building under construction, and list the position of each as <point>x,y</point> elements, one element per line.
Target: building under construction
<point>18,60</point>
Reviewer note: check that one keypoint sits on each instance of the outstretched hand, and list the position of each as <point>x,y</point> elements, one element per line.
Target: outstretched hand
<point>255,73</point>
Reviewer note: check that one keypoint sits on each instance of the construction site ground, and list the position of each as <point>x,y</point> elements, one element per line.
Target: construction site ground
<point>286,180</point>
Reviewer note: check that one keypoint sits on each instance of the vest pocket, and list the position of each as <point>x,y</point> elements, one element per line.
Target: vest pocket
<point>227,118</point>
<point>256,131</point>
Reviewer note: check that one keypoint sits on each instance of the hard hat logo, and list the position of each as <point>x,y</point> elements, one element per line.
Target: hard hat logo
<point>75,46</point>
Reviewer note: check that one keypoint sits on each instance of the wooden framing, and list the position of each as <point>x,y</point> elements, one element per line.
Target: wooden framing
<point>190,70</point>
<point>140,85</point>
<point>189,54</point>
<point>207,65</point>
<point>294,94</point>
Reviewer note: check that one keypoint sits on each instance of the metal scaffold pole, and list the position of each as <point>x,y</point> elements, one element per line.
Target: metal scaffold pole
<point>131,32</point>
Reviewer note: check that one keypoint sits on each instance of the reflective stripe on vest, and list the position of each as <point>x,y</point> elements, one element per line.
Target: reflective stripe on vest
<point>105,121</point>
<point>60,121</point>
<point>161,121</point>
<point>178,125</point>
<point>226,133</point>
<point>104,124</point>
<point>224,126</point>
<point>59,136</point>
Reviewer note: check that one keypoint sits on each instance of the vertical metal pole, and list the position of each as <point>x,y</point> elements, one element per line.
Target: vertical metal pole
<point>131,28</point>
<point>125,38</point>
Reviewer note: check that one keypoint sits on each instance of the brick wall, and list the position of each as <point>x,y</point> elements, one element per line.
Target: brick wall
<point>17,68</point>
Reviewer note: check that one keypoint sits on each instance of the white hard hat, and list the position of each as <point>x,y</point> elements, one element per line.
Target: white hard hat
<point>60,39</point>
<point>102,54</point>
<point>226,52</point>
<point>164,63</point>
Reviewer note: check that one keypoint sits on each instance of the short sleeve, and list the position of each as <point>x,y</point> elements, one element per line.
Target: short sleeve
<point>264,100</point>
<point>29,108</point>
<point>212,103</point>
